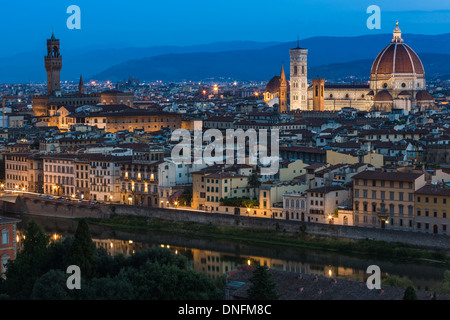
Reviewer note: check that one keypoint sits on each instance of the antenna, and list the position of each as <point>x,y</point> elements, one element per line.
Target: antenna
<point>298,41</point>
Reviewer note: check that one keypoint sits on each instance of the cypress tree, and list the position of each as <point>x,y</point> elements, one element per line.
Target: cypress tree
<point>82,251</point>
<point>410,294</point>
<point>262,287</point>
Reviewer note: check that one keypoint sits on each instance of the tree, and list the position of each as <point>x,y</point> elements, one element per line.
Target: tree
<point>81,253</point>
<point>30,264</point>
<point>153,281</point>
<point>51,286</point>
<point>254,183</point>
<point>410,294</point>
<point>395,281</point>
<point>262,287</point>
<point>185,198</point>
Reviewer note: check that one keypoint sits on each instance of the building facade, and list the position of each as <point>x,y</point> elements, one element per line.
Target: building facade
<point>385,199</point>
<point>432,208</point>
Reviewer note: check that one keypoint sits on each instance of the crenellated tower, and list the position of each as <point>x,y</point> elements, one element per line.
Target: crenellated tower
<point>53,65</point>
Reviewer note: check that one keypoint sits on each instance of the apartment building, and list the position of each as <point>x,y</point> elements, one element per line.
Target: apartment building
<point>432,208</point>
<point>59,175</point>
<point>104,177</point>
<point>224,185</point>
<point>8,244</point>
<point>82,186</point>
<point>322,203</point>
<point>23,172</point>
<point>385,199</point>
<point>295,205</point>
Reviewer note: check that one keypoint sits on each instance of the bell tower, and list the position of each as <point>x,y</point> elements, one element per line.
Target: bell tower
<point>298,78</point>
<point>282,94</point>
<point>53,65</point>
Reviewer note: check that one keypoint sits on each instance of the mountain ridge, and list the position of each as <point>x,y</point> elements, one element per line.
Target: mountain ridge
<point>262,64</point>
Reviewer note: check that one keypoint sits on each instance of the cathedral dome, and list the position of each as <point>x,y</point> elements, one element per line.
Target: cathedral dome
<point>383,96</point>
<point>274,84</point>
<point>424,95</point>
<point>397,58</point>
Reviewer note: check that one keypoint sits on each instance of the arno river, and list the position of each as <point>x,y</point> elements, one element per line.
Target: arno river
<point>216,257</point>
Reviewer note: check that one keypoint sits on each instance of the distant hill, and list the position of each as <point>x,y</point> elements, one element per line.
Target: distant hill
<point>262,64</point>
<point>436,65</point>
<point>239,60</point>
<point>88,61</point>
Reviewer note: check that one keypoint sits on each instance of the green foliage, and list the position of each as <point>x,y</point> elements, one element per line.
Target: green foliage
<point>185,198</point>
<point>395,281</point>
<point>51,286</point>
<point>444,287</point>
<point>254,183</point>
<point>302,229</point>
<point>31,263</point>
<point>239,202</point>
<point>108,289</point>
<point>262,287</point>
<point>153,281</point>
<point>410,294</point>
<point>81,252</point>
<point>39,272</point>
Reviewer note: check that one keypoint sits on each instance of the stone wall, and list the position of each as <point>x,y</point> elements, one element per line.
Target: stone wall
<point>347,232</point>
<point>50,208</point>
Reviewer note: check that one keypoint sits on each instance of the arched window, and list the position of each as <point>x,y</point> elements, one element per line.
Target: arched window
<point>297,204</point>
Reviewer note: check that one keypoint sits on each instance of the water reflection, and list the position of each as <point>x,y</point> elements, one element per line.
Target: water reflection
<point>217,257</point>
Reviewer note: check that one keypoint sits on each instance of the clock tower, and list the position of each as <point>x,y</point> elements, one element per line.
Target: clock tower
<point>298,79</point>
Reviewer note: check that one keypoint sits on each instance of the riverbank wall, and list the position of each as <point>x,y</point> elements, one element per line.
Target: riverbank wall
<point>49,208</point>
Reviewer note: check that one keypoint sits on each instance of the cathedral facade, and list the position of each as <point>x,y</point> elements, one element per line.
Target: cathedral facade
<point>397,80</point>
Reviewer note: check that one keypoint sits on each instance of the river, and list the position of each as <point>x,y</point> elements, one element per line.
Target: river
<point>216,257</point>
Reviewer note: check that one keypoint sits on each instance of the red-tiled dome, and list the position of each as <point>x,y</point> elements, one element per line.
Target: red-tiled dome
<point>274,84</point>
<point>397,57</point>
<point>383,96</point>
<point>423,95</point>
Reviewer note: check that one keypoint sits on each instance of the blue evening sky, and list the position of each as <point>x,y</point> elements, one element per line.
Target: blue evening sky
<point>106,23</point>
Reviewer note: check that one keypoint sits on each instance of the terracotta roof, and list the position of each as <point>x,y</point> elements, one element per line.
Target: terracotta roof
<point>300,286</point>
<point>433,189</point>
<point>326,189</point>
<point>388,176</point>
<point>274,84</point>
<point>383,96</point>
<point>423,95</point>
<point>397,58</point>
